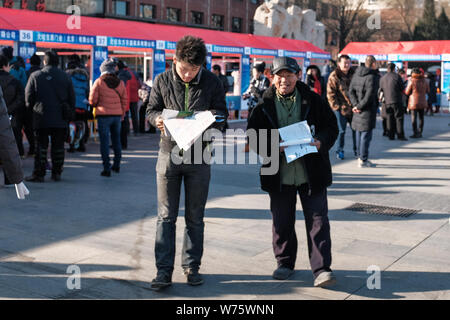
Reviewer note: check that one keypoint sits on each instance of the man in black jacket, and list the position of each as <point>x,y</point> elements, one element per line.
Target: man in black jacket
<point>14,95</point>
<point>286,102</point>
<point>185,87</point>
<point>45,93</point>
<point>391,84</point>
<point>363,95</point>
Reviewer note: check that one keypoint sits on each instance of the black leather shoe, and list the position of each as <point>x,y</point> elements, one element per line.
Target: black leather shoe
<point>105,173</point>
<point>116,170</point>
<point>56,177</point>
<point>34,178</point>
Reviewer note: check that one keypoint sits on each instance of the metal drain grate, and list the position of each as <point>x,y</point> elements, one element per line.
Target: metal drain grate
<point>382,210</point>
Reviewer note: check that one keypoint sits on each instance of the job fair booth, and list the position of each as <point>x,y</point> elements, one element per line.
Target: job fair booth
<point>406,54</point>
<point>147,48</point>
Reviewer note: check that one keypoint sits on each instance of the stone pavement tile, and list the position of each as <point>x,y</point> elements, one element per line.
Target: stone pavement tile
<point>374,249</point>
<point>9,292</point>
<point>61,254</point>
<point>33,279</point>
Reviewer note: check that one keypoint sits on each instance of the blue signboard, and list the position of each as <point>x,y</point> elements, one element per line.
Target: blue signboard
<point>233,102</point>
<point>223,49</point>
<point>100,54</point>
<point>245,78</point>
<point>264,52</point>
<point>9,35</point>
<point>159,62</point>
<point>26,50</point>
<point>295,54</point>
<point>131,43</point>
<point>315,55</point>
<point>208,61</point>
<point>63,38</point>
<point>446,77</point>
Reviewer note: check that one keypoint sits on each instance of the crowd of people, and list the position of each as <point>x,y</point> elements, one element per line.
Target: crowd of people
<point>358,94</point>
<point>52,107</point>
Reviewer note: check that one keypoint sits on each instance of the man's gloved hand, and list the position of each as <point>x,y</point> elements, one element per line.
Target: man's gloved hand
<point>21,191</point>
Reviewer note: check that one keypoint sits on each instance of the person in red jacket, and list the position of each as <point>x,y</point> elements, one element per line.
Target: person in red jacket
<point>133,86</point>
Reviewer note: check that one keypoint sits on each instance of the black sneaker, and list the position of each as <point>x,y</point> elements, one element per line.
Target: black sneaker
<point>56,177</point>
<point>193,277</point>
<point>115,169</point>
<point>161,281</point>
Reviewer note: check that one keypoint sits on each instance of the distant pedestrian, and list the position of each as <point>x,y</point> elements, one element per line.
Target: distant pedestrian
<point>417,90</point>
<point>48,93</point>
<point>80,81</point>
<point>315,81</point>
<point>217,70</point>
<point>124,75</point>
<point>258,84</point>
<point>363,95</point>
<point>144,95</point>
<point>108,97</point>
<point>391,85</point>
<point>432,95</point>
<point>339,100</point>
<point>9,155</point>
<point>14,96</point>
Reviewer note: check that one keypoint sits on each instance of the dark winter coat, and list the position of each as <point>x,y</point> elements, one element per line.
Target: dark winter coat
<point>80,82</point>
<point>392,86</point>
<point>318,114</point>
<point>14,96</point>
<point>363,95</point>
<point>50,86</point>
<point>32,70</point>
<point>9,155</point>
<point>205,92</point>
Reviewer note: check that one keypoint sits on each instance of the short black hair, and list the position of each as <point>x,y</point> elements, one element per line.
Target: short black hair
<point>51,58</point>
<point>217,67</point>
<point>4,61</point>
<point>416,71</point>
<point>344,56</point>
<point>370,60</point>
<point>191,50</point>
<point>35,60</point>
<point>391,67</point>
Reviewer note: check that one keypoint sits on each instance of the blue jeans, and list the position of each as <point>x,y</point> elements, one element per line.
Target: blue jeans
<point>196,184</point>
<point>109,126</point>
<point>342,125</point>
<point>363,139</point>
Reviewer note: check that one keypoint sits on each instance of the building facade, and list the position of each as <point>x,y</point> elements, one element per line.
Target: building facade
<point>224,15</point>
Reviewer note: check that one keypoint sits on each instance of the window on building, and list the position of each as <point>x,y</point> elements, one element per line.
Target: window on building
<point>217,21</point>
<point>254,1</point>
<point>251,27</point>
<point>121,8</point>
<point>373,1</point>
<point>147,11</point>
<point>12,4</point>
<point>236,24</point>
<point>174,14</point>
<point>324,11</point>
<point>196,17</point>
<point>57,5</point>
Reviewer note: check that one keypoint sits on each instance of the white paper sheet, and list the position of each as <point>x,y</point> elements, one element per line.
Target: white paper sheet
<point>186,131</point>
<point>297,138</point>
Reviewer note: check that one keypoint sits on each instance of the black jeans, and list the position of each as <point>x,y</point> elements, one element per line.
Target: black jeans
<point>58,137</point>
<point>196,179</point>
<point>124,130</point>
<point>284,238</point>
<point>414,115</point>
<point>134,116</point>
<point>394,121</point>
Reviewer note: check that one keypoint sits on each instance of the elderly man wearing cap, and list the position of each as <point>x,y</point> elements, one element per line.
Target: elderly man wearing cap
<point>286,102</point>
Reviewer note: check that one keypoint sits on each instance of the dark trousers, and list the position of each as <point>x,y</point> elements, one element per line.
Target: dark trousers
<point>17,130</point>
<point>394,121</point>
<point>124,130</point>
<point>109,130</point>
<point>29,132</point>
<point>142,120</point>
<point>417,114</point>
<point>58,137</point>
<point>363,139</point>
<point>134,116</point>
<point>169,177</point>
<point>342,125</point>
<point>284,238</point>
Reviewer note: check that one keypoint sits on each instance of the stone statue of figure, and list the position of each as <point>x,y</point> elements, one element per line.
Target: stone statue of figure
<point>273,20</point>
